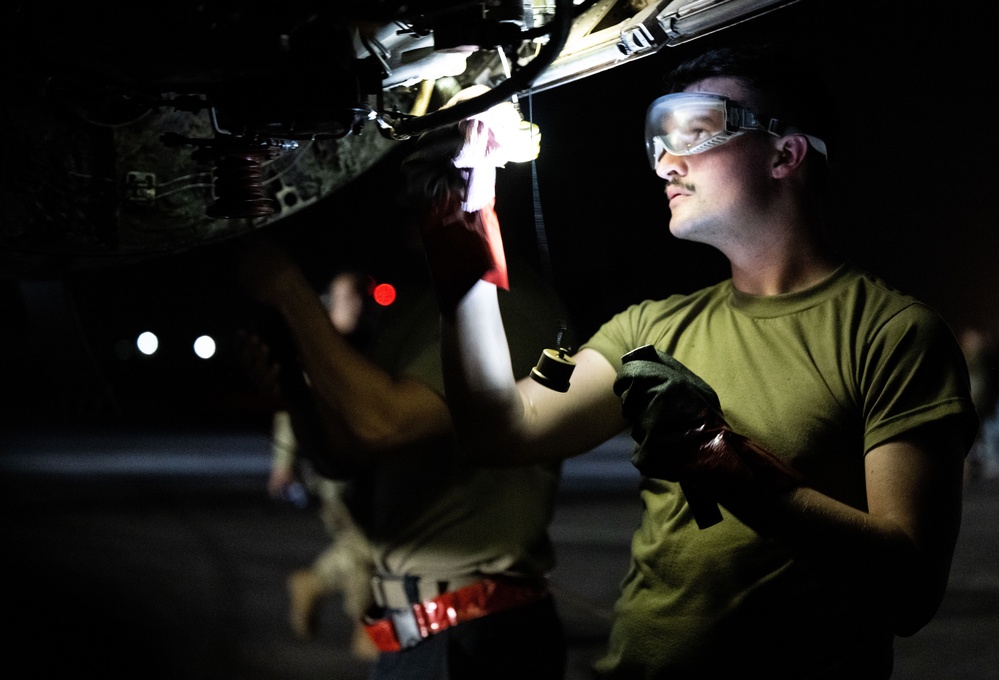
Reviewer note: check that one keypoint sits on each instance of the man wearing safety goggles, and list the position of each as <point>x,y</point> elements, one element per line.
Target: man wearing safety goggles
<point>800,427</point>
<point>685,123</point>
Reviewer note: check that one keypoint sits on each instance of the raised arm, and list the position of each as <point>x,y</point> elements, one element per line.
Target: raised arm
<point>504,420</point>
<point>500,420</point>
<point>362,410</point>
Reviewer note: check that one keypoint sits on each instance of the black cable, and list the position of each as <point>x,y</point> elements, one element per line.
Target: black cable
<point>518,82</point>
<point>541,233</point>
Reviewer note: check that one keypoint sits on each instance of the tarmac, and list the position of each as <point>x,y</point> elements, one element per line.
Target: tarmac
<point>160,556</point>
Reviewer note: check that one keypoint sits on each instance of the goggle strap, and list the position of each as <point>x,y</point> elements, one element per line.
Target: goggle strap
<point>779,129</point>
<point>776,127</point>
<point>744,119</point>
<point>738,118</point>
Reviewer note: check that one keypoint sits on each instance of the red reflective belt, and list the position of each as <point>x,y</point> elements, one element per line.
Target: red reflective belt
<point>484,597</point>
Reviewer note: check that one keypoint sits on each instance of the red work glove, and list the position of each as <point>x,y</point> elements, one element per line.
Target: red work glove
<point>682,436</point>
<point>452,174</point>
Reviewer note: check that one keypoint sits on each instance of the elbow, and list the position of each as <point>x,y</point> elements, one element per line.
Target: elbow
<point>492,448</point>
<point>356,433</point>
<point>377,437</point>
<point>492,434</point>
<point>384,432</point>
<point>370,426</point>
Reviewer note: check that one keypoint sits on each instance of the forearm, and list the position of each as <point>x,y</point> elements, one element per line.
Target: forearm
<point>898,549</point>
<point>485,403</point>
<point>904,579</point>
<point>322,438</point>
<point>360,406</point>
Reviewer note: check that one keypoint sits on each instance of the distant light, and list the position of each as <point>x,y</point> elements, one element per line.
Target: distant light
<point>147,343</point>
<point>204,347</point>
<point>384,294</point>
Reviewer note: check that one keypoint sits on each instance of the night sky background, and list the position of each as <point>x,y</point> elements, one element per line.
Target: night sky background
<point>912,199</point>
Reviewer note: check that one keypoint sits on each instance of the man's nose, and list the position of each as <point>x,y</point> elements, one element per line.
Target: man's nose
<point>669,165</point>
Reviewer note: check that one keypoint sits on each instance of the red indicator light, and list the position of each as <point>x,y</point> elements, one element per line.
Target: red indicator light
<point>384,294</point>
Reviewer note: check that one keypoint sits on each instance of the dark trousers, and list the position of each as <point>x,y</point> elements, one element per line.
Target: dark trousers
<point>527,643</point>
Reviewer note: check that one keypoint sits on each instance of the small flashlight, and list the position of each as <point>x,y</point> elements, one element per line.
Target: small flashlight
<point>553,370</point>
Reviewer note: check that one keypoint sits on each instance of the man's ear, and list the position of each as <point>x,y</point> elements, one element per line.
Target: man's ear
<point>791,152</point>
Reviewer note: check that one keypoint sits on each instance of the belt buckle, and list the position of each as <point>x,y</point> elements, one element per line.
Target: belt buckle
<point>407,627</point>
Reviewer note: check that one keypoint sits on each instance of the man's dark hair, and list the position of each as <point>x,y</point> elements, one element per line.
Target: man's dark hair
<point>784,85</point>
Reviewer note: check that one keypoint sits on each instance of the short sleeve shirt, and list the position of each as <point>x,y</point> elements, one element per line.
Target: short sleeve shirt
<point>434,512</point>
<point>819,378</point>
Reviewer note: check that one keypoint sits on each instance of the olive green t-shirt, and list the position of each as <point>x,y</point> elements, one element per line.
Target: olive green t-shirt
<point>433,512</point>
<point>819,378</point>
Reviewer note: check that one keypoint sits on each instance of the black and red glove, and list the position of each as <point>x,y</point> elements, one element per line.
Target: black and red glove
<point>682,436</point>
<point>451,175</point>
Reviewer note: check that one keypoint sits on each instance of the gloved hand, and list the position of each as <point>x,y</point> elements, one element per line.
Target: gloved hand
<point>452,175</point>
<point>682,435</point>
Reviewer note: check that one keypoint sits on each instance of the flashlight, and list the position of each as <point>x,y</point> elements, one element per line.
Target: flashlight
<point>553,370</point>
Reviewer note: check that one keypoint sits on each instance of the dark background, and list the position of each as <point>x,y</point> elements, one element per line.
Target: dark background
<point>162,557</point>
<point>911,200</point>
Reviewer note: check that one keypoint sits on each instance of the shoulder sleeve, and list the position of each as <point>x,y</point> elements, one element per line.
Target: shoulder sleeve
<point>621,334</point>
<point>915,374</point>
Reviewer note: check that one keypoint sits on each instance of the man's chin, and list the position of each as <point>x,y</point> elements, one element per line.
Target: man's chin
<point>678,227</point>
<point>687,230</point>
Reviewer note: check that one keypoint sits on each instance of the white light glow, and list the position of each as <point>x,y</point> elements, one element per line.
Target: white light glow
<point>204,347</point>
<point>147,343</point>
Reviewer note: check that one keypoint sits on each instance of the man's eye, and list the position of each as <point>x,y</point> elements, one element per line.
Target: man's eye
<point>689,137</point>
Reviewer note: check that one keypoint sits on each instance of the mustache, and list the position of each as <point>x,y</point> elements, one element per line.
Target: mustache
<point>683,185</point>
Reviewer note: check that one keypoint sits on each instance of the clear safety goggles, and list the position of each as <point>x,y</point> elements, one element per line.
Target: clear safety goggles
<point>685,123</point>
